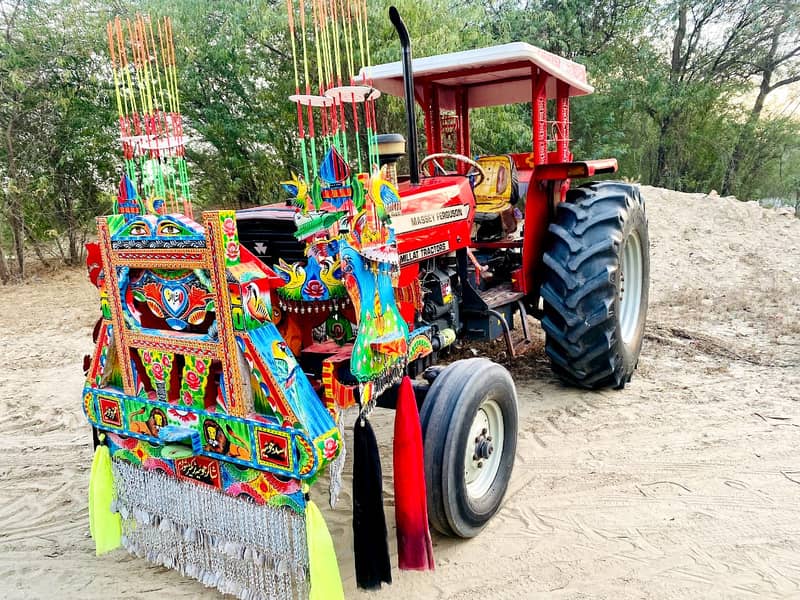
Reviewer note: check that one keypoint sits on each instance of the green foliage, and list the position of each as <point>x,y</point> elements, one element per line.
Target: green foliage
<point>664,74</point>
<point>57,126</point>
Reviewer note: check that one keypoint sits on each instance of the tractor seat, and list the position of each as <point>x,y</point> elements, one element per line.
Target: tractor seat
<point>495,197</point>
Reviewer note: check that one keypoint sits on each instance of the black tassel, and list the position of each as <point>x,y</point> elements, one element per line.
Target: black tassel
<point>369,522</point>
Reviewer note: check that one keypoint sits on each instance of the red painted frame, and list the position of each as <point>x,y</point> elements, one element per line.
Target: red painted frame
<point>548,173</point>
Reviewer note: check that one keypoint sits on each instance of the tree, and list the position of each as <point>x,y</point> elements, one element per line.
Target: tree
<point>56,122</point>
<point>777,64</point>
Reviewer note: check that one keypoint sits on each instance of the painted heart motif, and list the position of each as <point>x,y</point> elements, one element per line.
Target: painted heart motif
<point>175,300</point>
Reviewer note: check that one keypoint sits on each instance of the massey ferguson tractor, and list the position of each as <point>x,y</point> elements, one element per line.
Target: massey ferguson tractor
<point>484,242</point>
<point>232,344</point>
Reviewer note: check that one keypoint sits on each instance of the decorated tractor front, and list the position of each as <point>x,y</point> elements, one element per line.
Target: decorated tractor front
<point>201,404</point>
<point>208,431</point>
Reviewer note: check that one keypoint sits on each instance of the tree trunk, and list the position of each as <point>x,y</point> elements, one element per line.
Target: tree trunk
<point>73,228</point>
<point>676,64</point>
<point>5,274</point>
<point>728,187</point>
<point>661,178</point>
<point>739,149</point>
<point>771,63</point>
<point>16,219</point>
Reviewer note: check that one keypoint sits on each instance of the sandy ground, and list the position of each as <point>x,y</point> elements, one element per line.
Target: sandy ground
<point>687,483</point>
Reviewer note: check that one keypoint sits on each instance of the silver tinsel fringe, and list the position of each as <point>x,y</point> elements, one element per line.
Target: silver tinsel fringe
<point>243,549</point>
<point>336,467</point>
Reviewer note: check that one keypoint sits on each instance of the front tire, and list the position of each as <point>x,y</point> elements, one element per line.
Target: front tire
<point>595,290</point>
<point>469,423</point>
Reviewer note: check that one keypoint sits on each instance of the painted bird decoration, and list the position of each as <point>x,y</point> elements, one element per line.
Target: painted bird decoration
<point>294,275</point>
<point>385,198</point>
<point>298,190</point>
<point>331,273</point>
<point>255,303</point>
<point>285,364</point>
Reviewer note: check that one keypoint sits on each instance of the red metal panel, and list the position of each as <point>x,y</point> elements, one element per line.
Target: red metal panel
<point>463,143</point>
<point>463,125</point>
<point>562,116</point>
<point>433,125</point>
<point>524,161</point>
<point>570,170</point>
<point>539,116</point>
<point>436,218</point>
<point>437,120</point>
<point>429,119</point>
<point>536,223</point>
<point>472,70</point>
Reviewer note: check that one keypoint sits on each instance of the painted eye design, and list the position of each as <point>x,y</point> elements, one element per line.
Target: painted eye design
<point>168,228</point>
<point>138,229</point>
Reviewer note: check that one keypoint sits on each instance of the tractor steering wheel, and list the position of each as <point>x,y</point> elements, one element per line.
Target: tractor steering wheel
<point>474,166</point>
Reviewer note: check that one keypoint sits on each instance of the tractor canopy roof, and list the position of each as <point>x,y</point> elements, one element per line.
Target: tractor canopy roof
<point>496,75</point>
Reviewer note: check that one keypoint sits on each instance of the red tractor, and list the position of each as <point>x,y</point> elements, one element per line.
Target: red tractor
<point>494,239</point>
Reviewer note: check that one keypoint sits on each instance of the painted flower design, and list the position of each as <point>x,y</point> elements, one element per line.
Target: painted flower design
<point>184,416</point>
<point>192,381</point>
<point>229,227</point>
<point>158,371</point>
<point>187,397</point>
<point>314,289</point>
<point>331,446</point>
<point>232,251</point>
<point>147,358</point>
<point>200,367</point>
<point>166,361</point>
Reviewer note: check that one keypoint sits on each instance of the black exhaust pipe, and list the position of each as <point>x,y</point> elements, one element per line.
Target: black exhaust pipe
<point>408,85</point>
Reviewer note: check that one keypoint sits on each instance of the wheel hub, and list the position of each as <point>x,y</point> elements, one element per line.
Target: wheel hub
<point>631,274</point>
<point>481,462</point>
<point>483,446</point>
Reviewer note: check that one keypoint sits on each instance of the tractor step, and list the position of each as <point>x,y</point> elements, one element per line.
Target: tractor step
<point>498,316</point>
<point>500,295</point>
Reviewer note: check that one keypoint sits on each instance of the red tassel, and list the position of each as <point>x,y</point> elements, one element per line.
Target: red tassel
<point>411,506</point>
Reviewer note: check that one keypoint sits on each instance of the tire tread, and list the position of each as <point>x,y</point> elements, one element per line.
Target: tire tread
<point>579,284</point>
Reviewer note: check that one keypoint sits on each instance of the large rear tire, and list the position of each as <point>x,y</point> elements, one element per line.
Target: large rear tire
<point>595,285</point>
<point>469,424</point>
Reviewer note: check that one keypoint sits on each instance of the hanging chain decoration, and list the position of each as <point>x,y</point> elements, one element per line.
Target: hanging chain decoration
<point>331,99</point>
<point>151,128</point>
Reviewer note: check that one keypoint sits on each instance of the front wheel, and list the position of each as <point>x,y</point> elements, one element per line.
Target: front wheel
<point>595,290</point>
<point>469,422</point>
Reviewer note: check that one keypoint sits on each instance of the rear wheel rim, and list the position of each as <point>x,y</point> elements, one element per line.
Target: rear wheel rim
<point>630,287</point>
<point>484,449</point>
